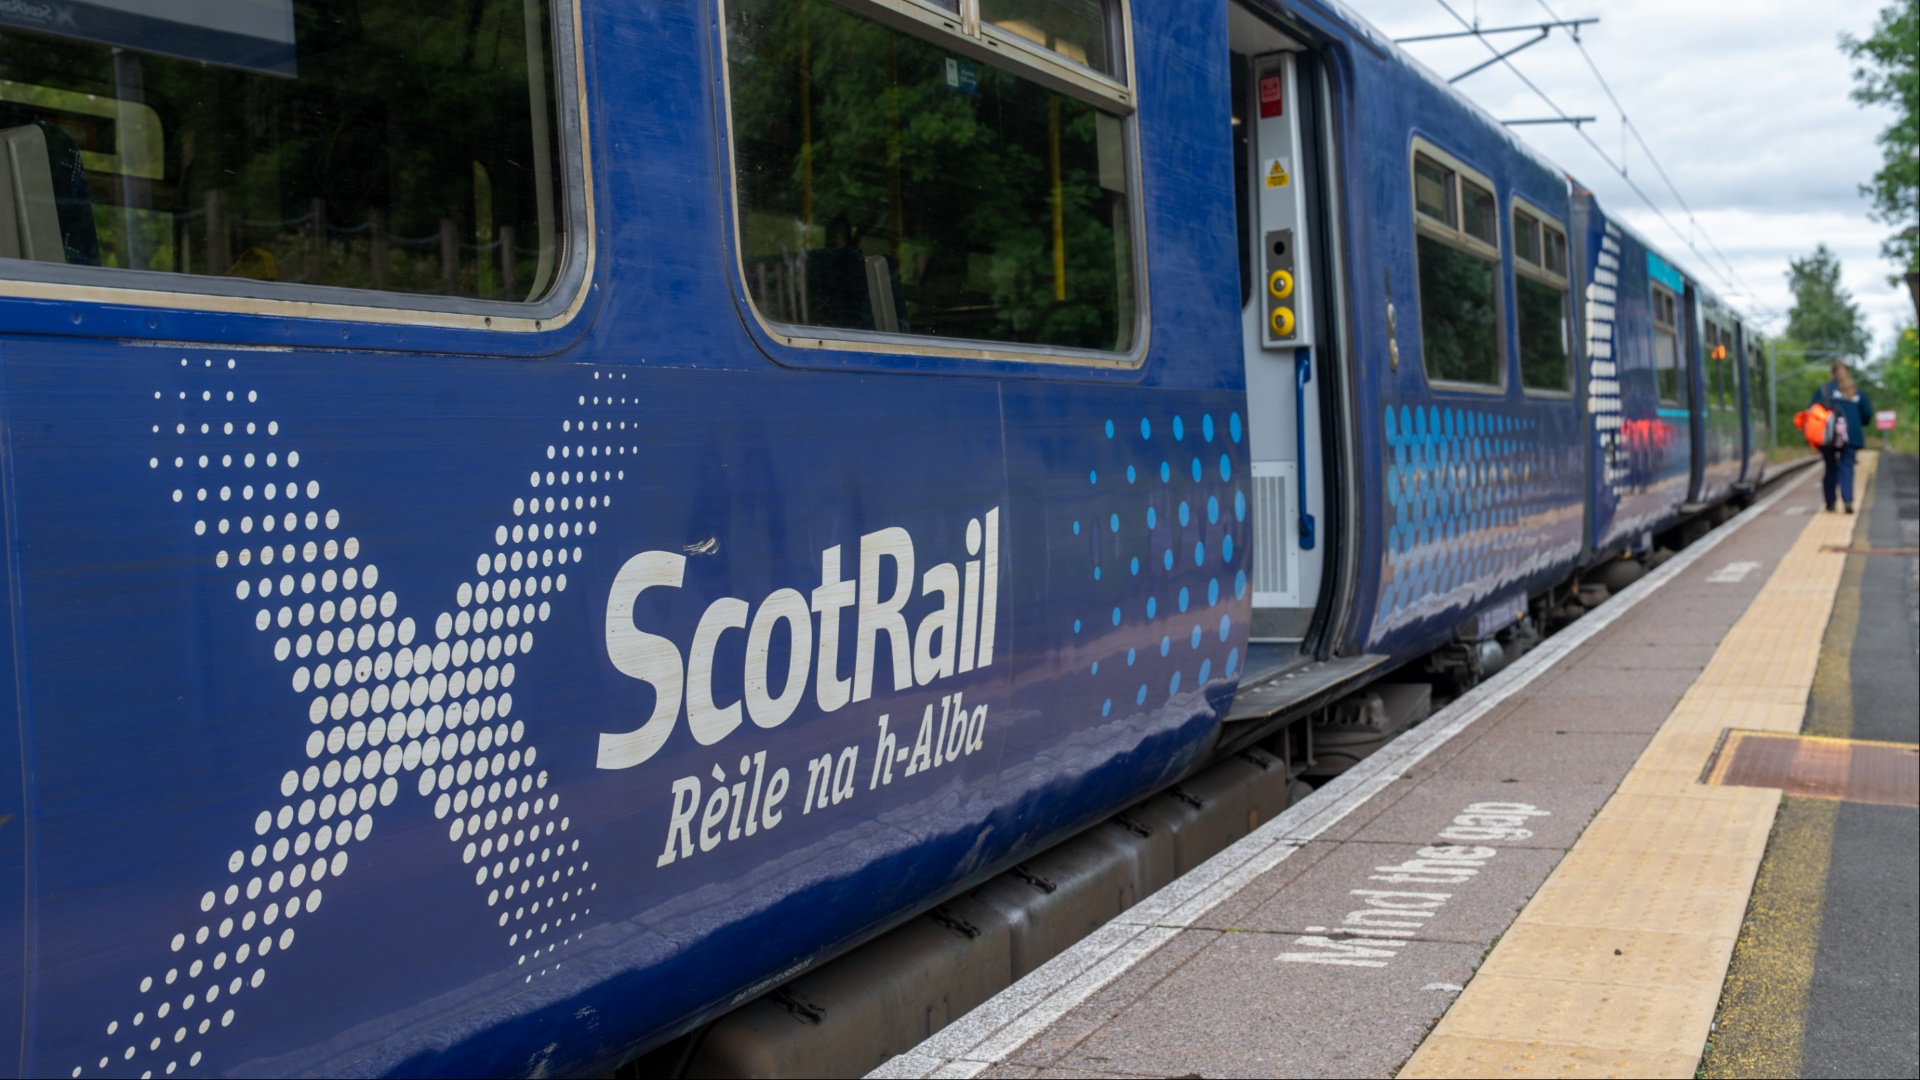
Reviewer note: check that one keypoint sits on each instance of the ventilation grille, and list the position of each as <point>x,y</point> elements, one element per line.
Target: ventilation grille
<point>1270,496</point>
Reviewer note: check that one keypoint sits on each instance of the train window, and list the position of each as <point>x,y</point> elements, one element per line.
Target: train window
<point>894,182</point>
<point>1433,189</point>
<point>1076,29</point>
<point>1540,290</point>
<point>1456,240</point>
<point>1666,345</point>
<point>1720,372</point>
<point>381,145</point>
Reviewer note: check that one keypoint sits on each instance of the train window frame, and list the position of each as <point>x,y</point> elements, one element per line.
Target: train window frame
<point>1656,292</point>
<point>961,31</point>
<point>1454,233</point>
<point>1540,268</point>
<point>574,226</point>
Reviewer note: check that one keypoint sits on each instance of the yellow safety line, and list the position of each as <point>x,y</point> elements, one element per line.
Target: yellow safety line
<point>1616,965</point>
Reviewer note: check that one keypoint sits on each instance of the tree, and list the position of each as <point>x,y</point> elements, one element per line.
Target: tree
<point>1888,73</point>
<point>1824,317</point>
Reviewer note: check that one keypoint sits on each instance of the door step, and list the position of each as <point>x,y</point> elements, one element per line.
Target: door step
<point>1303,687</point>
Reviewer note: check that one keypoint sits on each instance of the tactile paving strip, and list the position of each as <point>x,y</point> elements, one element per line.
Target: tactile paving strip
<point>1615,967</point>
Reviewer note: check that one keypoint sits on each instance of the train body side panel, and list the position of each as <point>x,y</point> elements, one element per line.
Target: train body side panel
<point>1642,455</point>
<point>1034,575</point>
<point>1479,493</point>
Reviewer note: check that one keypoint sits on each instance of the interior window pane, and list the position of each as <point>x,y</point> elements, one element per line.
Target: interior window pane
<point>1526,237</point>
<point>385,144</point>
<point>1556,251</point>
<point>1545,348</point>
<point>1477,210</point>
<point>886,184</point>
<point>1076,29</point>
<point>1459,314</point>
<point>1666,365</point>
<point>1433,189</point>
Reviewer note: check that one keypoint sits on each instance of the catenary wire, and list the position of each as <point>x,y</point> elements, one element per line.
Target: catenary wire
<point>1730,282</point>
<point>1634,129</point>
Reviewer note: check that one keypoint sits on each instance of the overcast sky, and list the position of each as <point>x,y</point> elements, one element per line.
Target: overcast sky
<point>1744,104</point>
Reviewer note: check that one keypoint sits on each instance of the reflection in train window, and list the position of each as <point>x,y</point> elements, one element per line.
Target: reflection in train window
<point>402,145</point>
<point>887,184</point>
<point>1540,292</point>
<point>1457,245</point>
<point>1666,345</point>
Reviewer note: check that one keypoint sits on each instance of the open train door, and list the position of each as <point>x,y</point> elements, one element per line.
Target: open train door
<point>1287,296</point>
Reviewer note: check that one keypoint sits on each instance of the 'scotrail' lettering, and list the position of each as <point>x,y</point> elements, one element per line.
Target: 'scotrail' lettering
<point>957,636</point>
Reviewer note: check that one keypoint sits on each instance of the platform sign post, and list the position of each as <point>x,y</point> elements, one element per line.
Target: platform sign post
<point>1885,419</point>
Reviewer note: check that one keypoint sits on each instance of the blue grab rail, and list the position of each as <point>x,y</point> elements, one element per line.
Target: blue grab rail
<point>1302,371</point>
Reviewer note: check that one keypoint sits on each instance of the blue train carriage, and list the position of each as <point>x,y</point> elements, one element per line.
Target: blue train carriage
<point>607,514</point>
<point>1638,382</point>
<point>1473,407</point>
<point>530,524</point>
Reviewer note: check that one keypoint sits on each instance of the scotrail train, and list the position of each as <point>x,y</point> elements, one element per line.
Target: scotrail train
<point>529,523</point>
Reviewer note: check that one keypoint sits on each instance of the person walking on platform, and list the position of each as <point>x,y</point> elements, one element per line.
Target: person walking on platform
<point>1844,398</point>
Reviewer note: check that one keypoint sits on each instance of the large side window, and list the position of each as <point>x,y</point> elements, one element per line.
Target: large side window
<point>1540,292</point>
<point>1666,345</point>
<point>897,181</point>
<point>1457,243</point>
<point>379,145</point>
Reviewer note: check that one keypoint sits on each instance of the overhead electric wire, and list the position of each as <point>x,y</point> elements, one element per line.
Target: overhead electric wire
<point>1628,123</point>
<point>1741,287</point>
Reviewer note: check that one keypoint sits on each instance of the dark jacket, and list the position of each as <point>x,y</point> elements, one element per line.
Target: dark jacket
<point>1858,412</point>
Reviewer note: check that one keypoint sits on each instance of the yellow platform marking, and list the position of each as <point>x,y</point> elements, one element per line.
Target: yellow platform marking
<point>1616,965</point>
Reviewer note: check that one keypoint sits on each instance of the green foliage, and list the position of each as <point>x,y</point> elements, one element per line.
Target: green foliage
<point>1899,390</point>
<point>1888,73</point>
<point>1800,375</point>
<point>1824,317</point>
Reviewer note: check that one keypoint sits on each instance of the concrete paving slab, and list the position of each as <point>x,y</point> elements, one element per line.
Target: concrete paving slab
<point>1255,894</point>
<point>1653,1019</point>
<point>1607,954</point>
<point>1451,1056</point>
<point>1588,681</point>
<point>1431,806</point>
<point>1622,714</point>
<point>1622,653</point>
<point>1059,1040</point>
<point>1347,889</point>
<point>1237,1012</point>
<point>1522,756</point>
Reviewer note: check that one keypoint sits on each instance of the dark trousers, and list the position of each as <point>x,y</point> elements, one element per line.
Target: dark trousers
<point>1839,473</point>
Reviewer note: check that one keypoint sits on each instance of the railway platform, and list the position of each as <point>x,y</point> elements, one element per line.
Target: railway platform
<point>1677,838</point>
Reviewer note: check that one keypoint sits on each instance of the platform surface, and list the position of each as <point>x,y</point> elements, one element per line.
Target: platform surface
<point>1546,842</point>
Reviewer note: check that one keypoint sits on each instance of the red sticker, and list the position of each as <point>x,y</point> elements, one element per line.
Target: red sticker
<point>1269,97</point>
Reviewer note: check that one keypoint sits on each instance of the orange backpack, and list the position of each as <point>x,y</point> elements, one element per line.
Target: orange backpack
<point>1822,427</point>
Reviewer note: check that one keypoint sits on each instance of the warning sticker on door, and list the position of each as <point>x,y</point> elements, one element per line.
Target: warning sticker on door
<point>1277,174</point>
<point>1270,103</point>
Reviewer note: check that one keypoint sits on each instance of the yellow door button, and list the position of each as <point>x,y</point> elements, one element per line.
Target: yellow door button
<point>1282,322</point>
<point>1280,284</point>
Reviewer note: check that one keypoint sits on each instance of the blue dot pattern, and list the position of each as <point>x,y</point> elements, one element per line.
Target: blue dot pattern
<point>1152,528</point>
<point>1476,502</point>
